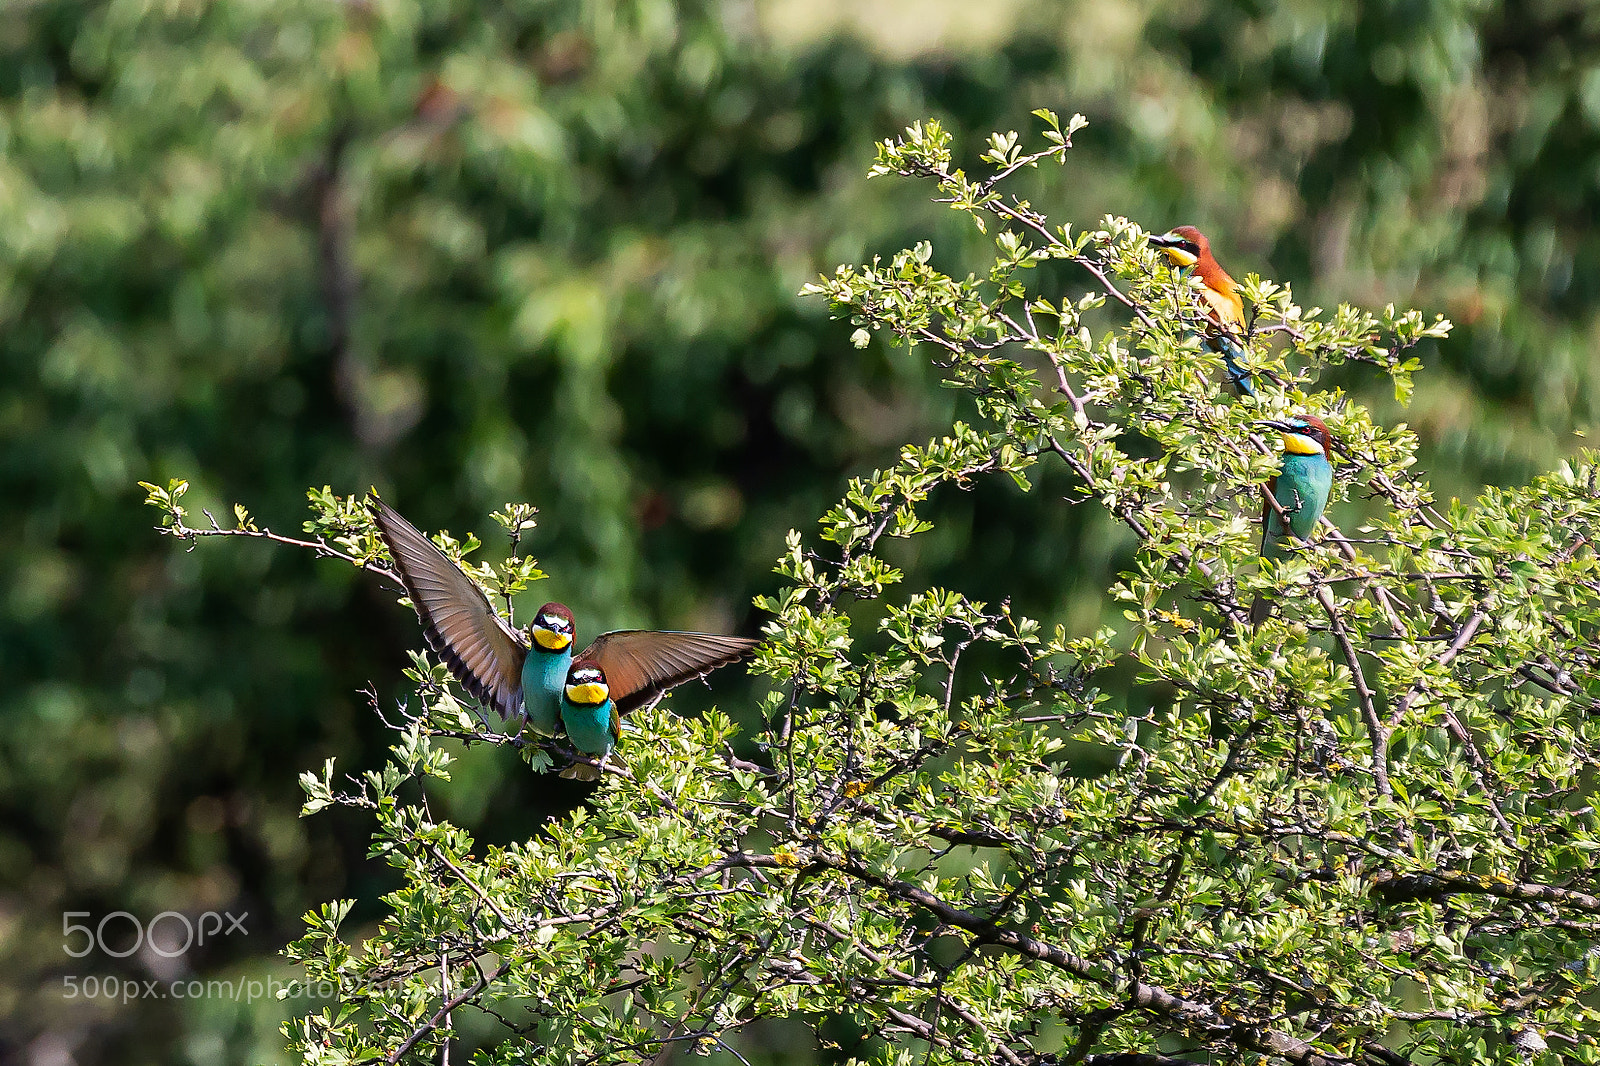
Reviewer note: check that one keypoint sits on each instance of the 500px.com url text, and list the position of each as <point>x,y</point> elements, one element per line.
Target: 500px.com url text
<point>243,989</point>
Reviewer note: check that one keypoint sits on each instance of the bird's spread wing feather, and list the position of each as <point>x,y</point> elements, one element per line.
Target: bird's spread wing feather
<point>482,651</point>
<point>641,664</point>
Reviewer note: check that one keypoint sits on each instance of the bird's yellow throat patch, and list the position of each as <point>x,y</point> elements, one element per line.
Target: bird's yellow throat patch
<point>1180,257</point>
<point>550,640</point>
<point>1300,444</point>
<point>593,693</point>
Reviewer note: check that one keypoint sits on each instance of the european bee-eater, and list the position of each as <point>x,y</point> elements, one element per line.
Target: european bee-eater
<point>523,676</point>
<point>544,671</point>
<point>1188,247</point>
<point>590,714</point>
<point>1301,489</point>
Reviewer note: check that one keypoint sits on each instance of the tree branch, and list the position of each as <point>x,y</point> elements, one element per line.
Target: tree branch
<point>1436,887</point>
<point>1181,1011</point>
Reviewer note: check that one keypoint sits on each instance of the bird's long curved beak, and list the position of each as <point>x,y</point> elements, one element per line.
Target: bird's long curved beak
<point>1165,240</point>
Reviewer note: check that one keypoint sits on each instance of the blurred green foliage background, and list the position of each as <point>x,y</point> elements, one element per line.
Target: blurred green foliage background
<point>473,252</point>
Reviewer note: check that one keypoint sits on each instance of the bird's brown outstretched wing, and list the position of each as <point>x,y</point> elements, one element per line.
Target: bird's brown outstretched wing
<point>641,664</point>
<point>482,651</point>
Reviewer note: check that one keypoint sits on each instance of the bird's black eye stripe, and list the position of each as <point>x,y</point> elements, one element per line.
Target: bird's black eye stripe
<point>1181,244</point>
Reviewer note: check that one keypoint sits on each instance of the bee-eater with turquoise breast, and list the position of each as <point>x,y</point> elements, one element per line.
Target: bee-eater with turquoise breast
<point>523,676</point>
<point>1301,489</point>
<point>1188,247</point>
<point>590,715</point>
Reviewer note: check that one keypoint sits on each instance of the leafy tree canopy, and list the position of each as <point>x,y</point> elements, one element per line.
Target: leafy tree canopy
<point>1358,833</point>
<point>550,250</point>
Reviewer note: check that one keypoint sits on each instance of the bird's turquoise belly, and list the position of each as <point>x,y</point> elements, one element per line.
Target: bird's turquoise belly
<point>543,674</point>
<point>589,727</point>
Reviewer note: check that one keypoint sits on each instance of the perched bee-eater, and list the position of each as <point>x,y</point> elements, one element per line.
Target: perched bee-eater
<point>1188,247</point>
<point>1301,489</point>
<point>593,722</point>
<point>523,676</point>
<point>544,670</point>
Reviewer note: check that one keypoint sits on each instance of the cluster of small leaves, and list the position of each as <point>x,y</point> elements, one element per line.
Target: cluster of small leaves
<point>1359,833</point>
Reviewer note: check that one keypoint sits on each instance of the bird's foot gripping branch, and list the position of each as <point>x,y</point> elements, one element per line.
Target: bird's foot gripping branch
<point>1358,832</point>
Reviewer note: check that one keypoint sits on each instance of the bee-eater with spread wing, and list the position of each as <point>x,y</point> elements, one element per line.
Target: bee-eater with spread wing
<point>1301,489</point>
<point>1188,247</point>
<point>523,677</point>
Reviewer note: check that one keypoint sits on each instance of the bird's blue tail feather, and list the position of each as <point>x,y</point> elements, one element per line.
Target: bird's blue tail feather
<point>1232,359</point>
